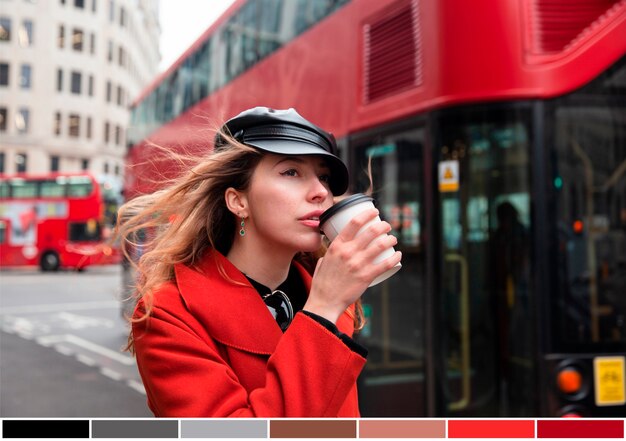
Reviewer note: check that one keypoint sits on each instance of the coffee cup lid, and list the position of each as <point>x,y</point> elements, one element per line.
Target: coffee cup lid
<point>352,200</point>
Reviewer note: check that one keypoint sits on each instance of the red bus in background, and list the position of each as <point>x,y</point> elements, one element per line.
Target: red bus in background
<point>52,221</point>
<point>497,134</point>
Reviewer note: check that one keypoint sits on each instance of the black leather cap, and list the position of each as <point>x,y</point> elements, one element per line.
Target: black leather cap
<point>285,132</point>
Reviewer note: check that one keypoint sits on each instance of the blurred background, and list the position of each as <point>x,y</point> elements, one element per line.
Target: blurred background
<point>497,136</point>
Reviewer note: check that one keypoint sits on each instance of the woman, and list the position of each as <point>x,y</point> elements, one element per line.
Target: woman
<point>229,322</point>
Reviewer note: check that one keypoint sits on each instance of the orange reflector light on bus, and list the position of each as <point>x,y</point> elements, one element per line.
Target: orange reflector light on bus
<point>578,226</point>
<point>569,380</point>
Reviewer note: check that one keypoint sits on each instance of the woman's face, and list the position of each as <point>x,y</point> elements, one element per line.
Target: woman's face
<point>287,195</point>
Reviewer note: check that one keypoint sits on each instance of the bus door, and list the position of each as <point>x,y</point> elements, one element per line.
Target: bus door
<point>393,380</point>
<point>484,319</point>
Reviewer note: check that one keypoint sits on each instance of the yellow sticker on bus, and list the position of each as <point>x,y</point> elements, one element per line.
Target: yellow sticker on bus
<point>448,176</point>
<point>608,374</point>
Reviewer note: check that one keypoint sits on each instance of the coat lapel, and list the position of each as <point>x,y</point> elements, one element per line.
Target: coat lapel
<point>231,310</point>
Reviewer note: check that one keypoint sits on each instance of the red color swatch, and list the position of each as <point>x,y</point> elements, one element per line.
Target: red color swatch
<point>491,429</point>
<point>580,428</point>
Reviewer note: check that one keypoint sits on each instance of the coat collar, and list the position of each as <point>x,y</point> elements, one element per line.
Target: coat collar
<point>231,310</point>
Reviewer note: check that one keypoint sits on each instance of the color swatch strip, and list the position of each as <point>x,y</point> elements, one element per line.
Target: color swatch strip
<point>223,429</point>
<point>580,429</point>
<point>134,428</point>
<point>402,429</point>
<point>49,428</point>
<point>491,429</point>
<point>313,428</point>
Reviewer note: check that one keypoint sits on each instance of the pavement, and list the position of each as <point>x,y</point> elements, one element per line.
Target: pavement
<point>56,385</point>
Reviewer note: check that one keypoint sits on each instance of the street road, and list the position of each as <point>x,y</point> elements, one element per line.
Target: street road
<point>60,346</point>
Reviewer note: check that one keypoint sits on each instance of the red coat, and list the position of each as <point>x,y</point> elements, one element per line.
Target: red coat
<point>212,349</point>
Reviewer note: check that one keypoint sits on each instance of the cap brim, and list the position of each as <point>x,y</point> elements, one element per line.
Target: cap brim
<point>338,170</point>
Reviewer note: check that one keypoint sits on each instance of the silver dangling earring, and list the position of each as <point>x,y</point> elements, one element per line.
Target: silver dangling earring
<point>242,231</point>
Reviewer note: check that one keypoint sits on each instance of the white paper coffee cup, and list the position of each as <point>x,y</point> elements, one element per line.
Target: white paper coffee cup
<point>333,220</point>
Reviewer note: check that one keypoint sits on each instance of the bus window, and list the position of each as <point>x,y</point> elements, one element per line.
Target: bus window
<point>79,186</point>
<point>23,189</point>
<point>589,188</point>
<point>51,189</point>
<point>393,382</point>
<point>3,232</point>
<point>89,231</point>
<point>484,267</point>
<point>4,190</point>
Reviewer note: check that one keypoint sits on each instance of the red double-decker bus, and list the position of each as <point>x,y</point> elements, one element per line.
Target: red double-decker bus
<point>497,134</point>
<point>53,221</point>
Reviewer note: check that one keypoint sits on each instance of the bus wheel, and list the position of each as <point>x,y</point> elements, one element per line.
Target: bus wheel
<point>50,261</point>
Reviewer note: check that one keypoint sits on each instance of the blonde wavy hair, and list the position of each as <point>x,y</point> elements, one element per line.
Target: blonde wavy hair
<point>180,223</point>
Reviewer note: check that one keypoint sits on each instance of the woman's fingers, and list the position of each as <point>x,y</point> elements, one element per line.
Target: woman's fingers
<point>350,264</point>
<point>356,223</point>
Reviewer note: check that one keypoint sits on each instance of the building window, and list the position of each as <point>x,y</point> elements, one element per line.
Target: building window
<point>118,133</point>
<point>1,162</point>
<point>4,74</point>
<point>54,163</point>
<point>25,75</point>
<point>109,91</point>
<point>120,56</point>
<point>61,40</point>
<point>90,85</point>
<point>89,127</point>
<point>57,123</point>
<point>74,125</point>
<point>77,39</point>
<point>3,119</point>
<point>110,51</point>
<point>106,132</point>
<point>76,82</point>
<point>84,165</point>
<point>93,6</point>
<point>111,10</point>
<point>106,168</point>
<point>60,80</point>
<point>79,4</point>
<point>5,29</point>
<point>92,43</point>
<point>25,35</point>
<point>122,17</point>
<point>63,2</point>
<point>22,120</point>
<point>21,162</point>
<point>117,169</point>
<point>119,95</point>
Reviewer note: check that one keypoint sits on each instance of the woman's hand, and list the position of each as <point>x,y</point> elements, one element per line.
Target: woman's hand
<point>347,269</point>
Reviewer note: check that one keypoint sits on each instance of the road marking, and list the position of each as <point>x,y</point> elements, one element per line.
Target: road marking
<point>85,360</point>
<point>90,346</point>
<point>76,306</point>
<point>63,350</point>
<point>111,374</point>
<point>75,321</point>
<point>137,386</point>
<point>48,340</point>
